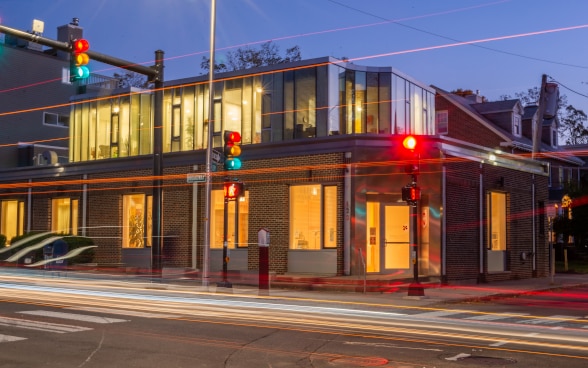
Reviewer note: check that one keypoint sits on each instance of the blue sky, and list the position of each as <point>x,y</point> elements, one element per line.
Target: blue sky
<point>417,37</point>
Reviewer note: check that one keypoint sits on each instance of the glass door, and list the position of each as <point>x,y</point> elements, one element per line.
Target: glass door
<point>395,238</point>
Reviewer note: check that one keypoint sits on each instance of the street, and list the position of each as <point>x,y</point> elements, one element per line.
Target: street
<point>68,322</point>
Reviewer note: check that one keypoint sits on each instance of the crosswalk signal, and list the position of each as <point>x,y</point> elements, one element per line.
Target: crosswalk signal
<point>79,60</point>
<point>411,194</point>
<point>232,150</point>
<point>233,190</point>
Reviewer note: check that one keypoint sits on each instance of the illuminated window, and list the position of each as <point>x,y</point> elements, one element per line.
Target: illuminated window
<point>313,217</point>
<point>238,213</point>
<point>12,219</point>
<point>64,216</point>
<point>137,222</point>
<point>497,220</point>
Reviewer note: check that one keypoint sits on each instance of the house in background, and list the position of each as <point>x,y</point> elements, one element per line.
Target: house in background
<point>507,126</point>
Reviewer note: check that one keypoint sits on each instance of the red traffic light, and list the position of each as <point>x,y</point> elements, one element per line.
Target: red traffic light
<point>80,46</point>
<point>409,142</point>
<point>233,190</point>
<point>232,136</point>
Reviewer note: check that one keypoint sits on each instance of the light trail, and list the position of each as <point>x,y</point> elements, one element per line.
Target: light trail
<point>242,312</point>
<point>463,43</point>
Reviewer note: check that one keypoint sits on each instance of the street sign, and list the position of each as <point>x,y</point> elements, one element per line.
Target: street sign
<point>196,178</point>
<point>216,156</point>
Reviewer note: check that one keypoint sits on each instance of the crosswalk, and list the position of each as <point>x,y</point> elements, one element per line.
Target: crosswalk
<point>60,322</point>
<point>554,321</point>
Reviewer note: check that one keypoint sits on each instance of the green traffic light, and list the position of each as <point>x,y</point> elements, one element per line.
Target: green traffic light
<point>232,164</point>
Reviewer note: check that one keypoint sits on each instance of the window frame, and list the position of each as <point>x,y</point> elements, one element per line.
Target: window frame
<point>501,228</point>
<point>146,221</point>
<point>72,213</point>
<point>297,238</point>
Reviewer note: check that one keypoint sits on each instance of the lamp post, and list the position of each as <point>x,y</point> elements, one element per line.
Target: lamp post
<point>207,200</point>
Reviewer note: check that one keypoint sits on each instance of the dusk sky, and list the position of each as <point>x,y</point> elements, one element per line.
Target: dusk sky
<point>512,42</point>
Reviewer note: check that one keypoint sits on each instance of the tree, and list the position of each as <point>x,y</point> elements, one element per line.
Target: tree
<point>572,126</point>
<point>248,57</point>
<point>131,79</point>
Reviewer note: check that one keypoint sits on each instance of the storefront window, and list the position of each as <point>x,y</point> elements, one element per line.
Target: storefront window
<point>12,220</point>
<point>238,213</point>
<point>137,223</point>
<point>497,221</point>
<point>313,217</point>
<point>64,216</point>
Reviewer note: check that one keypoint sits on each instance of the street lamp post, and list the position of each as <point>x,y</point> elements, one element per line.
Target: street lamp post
<point>207,200</point>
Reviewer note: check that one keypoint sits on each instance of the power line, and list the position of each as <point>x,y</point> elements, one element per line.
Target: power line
<point>455,40</point>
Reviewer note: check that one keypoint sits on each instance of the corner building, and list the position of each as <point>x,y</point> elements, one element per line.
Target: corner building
<point>323,167</point>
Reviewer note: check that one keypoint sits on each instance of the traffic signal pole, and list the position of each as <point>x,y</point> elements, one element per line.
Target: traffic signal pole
<point>412,195</point>
<point>155,75</point>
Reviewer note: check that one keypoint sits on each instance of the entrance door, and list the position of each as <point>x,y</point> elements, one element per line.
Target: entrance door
<point>395,238</point>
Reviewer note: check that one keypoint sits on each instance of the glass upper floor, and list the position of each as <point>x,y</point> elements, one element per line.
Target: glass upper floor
<point>313,98</point>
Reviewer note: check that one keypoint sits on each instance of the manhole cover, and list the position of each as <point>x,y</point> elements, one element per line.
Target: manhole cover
<point>360,361</point>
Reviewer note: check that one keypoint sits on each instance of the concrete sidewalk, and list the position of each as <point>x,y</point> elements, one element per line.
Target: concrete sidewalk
<point>434,293</point>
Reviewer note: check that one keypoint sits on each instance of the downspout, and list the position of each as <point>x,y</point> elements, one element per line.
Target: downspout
<point>443,220</point>
<point>347,216</point>
<point>534,230</point>
<point>29,205</point>
<point>194,223</point>
<point>84,203</point>
<point>482,226</point>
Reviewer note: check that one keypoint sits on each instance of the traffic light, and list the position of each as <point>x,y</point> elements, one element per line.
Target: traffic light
<point>79,60</point>
<point>232,150</point>
<point>233,190</point>
<point>410,144</point>
<point>411,194</point>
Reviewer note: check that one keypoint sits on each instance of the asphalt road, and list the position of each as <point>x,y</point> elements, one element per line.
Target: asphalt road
<point>72,323</point>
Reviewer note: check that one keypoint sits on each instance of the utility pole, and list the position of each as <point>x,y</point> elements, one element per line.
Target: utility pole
<point>155,75</point>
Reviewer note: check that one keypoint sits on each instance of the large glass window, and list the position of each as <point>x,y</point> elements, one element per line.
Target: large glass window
<point>313,217</point>
<point>12,220</point>
<point>137,222</point>
<point>238,221</point>
<point>497,221</point>
<point>64,216</point>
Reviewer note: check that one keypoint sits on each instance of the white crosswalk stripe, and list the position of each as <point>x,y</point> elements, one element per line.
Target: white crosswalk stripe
<point>8,338</point>
<point>74,316</point>
<point>40,326</point>
<point>125,312</point>
<point>548,320</point>
<point>495,317</point>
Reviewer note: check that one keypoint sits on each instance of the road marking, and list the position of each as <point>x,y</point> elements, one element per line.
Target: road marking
<point>40,326</point>
<point>458,356</point>
<point>74,316</point>
<point>8,338</point>
<point>499,343</point>
<point>494,317</point>
<point>438,314</point>
<point>548,320</point>
<point>125,312</point>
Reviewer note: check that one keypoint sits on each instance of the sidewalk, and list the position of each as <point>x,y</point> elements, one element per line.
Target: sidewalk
<point>435,293</point>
